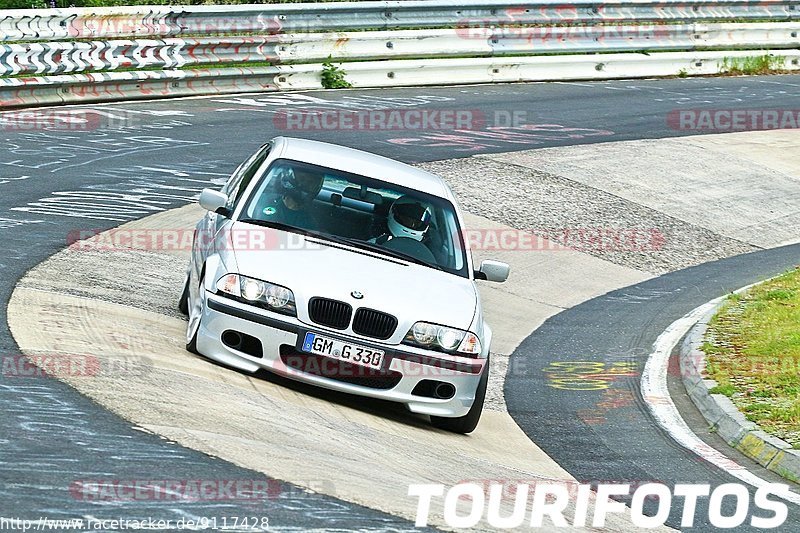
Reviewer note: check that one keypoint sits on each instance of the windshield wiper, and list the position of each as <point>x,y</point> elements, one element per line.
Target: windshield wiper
<point>281,226</point>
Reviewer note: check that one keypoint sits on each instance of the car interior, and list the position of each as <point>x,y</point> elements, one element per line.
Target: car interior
<point>357,211</point>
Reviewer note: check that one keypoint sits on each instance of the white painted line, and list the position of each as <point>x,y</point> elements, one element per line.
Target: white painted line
<point>596,84</point>
<point>656,394</point>
<point>772,82</point>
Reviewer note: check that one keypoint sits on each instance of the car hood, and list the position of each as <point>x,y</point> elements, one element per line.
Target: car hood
<point>314,267</point>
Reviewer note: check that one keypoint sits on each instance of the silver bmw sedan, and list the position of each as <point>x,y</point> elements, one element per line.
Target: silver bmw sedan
<point>346,270</point>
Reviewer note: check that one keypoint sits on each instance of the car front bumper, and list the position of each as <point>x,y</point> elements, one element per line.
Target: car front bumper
<point>404,377</point>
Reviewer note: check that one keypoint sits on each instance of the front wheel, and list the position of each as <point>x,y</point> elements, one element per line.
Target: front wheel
<point>183,301</point>
<point>468,422</point>
<point>195,310</point>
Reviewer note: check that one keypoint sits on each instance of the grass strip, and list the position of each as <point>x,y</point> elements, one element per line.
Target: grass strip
<point>753,349</point>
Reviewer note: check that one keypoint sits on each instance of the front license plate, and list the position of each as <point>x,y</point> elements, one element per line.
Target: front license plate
<point>344,351</point>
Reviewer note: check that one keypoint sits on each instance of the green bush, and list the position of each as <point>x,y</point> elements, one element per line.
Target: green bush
<point>333,77</point>
<point>23,4</point>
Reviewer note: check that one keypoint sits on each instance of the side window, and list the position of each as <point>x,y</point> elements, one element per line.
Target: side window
<point>244,174</point>
<point>233,180</point>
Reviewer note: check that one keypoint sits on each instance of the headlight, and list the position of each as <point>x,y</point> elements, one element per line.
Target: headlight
<point>442,338</point>
<point>252,289</point>
<point>261,293</point>
<point>424,334</point>
<point>278,297</point>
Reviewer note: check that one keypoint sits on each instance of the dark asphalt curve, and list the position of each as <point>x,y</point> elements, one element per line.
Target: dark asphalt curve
<point>605,433</point>
<point>144,157</point>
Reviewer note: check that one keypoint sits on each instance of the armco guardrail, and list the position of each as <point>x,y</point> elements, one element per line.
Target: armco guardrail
<point>86,54</point>
<point>165,21</point>
<point>47,90</point>
<point>173,53</point>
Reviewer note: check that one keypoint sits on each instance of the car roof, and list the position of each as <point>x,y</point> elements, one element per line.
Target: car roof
<point>362,163</point>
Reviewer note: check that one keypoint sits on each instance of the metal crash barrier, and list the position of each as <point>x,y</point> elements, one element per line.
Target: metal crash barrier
<point>103,54</point>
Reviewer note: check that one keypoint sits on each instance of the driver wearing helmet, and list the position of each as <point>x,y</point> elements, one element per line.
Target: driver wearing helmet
<point>294,191</point>
<point>408,223</point>
<point>409,218</point>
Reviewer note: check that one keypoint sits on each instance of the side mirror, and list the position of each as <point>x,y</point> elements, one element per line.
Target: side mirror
<point>212,200</point>
<point>493,271</point>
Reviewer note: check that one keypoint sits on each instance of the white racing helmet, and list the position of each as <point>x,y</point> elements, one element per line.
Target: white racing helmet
<point>409,217</point>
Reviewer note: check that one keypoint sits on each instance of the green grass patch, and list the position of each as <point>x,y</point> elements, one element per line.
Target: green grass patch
<point>752,65</point>
<point>726,390</point>
<point>231,64</point>
<point>753,353</point>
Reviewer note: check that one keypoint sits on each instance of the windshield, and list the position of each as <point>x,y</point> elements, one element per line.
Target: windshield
<point>365,212</point>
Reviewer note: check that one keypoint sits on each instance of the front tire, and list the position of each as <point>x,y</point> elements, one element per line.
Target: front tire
<point>195,313</point>
<point>183,301</point>
<point>468,422</point>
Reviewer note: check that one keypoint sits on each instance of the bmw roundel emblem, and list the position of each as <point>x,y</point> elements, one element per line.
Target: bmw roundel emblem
<point>357,295</point>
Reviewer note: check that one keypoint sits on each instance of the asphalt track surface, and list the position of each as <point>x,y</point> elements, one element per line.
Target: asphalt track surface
<point>607,435</point>
<point>54,183</point>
